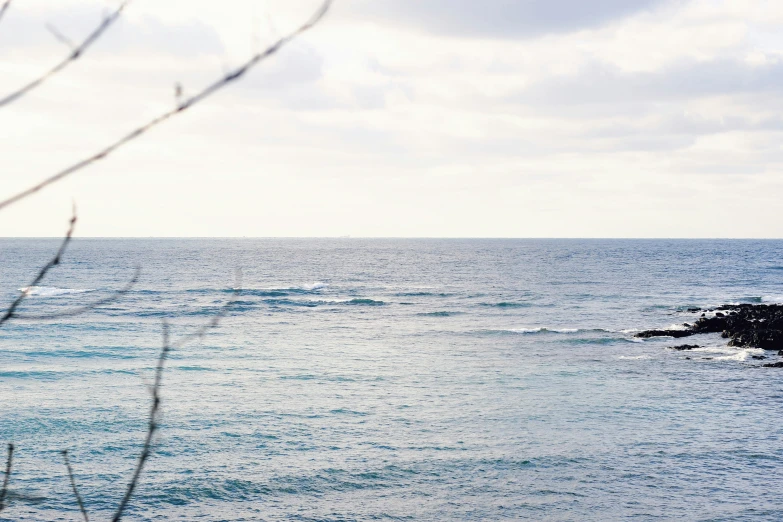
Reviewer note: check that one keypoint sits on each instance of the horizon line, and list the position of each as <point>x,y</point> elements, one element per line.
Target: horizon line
<point>596,238</point>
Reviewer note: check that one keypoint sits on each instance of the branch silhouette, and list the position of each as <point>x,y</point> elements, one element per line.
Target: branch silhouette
<point>8,462</point>
<point>4,8</point>
<point>73,486</point>
<point>193,100</point>
<point>152,425</point>
<point>72,57</point>
<point>10,312</point>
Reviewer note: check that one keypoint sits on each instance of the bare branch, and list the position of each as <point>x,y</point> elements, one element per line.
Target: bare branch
<point>193,100</point>
<point>9,314</point>
<point>60,36</point>
<point>201,332</point>
<point>8,462</point>
<point>82,309</point>
<point>4,8</point>
<point>152,425</point>
<point>75,54</point>
<point>73,485</point>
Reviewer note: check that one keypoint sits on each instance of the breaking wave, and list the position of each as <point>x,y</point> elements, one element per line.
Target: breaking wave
<point>544,329</point>
<point>507,304</point>
<point>51,291</point>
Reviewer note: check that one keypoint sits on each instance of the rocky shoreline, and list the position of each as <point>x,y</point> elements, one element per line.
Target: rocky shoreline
<point>745,325</point>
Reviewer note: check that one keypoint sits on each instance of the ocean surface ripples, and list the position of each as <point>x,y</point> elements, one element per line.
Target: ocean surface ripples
<point>393,380</point>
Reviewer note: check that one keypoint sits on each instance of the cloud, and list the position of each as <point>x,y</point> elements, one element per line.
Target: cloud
<point>27,28</point>
<point>660,111</point>
<point>499,18</point>
<point>598,83</point>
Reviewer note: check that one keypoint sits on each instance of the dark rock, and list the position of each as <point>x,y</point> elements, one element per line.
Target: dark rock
<point>758,357</point>
<point>778,364</point>
<point>780,352</point>
<point>684,347</point>
<point>687,358</point>
<point>694,310</point>
<point>745,325</point>
<point>758,338</point>
<point>664,333</point>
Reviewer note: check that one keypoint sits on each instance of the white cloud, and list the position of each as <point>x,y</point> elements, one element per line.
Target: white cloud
<point>405,118</point>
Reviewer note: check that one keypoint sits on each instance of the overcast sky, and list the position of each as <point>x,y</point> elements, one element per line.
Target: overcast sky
<point>452,118</point>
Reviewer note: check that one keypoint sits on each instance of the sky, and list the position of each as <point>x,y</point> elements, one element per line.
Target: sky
<point>402,118</point>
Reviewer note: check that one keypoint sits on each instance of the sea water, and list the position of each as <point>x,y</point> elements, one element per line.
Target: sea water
<point>391,379</point>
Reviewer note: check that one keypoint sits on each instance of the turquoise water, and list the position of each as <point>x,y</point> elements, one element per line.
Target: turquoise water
<point>393,380</point>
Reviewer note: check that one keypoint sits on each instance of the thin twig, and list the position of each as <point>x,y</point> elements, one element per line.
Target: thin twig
<point>4,8</point>
<point>4,491</point>
<point>73,485</point>
<point>72,57</point>
<point>201,332</point>
<point>193,100</point>
<point>60,36</point>
<point>9,313</point>
<point>82,309</point>
<point>152,425</point>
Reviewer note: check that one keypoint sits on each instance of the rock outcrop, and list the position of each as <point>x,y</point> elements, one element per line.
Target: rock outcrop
<point>745,325</point>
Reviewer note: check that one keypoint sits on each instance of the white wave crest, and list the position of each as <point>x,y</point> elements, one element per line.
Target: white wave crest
<point>315,286</point>
<point>541,329</point>
<point>676,326</point>
<point>51,291</point>
<point>726,353</point>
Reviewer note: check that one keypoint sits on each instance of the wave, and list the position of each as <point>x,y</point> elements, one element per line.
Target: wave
<point>272,291</point>
<point>264,293</point>
<point>676,326</point>
<point>365,302</point>
<point>545,329</point>
<point>752,299</point>
<point>294,302</point>
<point>51,291</point>
<point>725,353</point>
<point>314,286</point>
<point>441,313</point>
<point>422,294</point>
<point>507,304</point>
<point>311,303</point>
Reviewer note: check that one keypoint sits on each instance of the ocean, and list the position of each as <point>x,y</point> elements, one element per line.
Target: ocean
<point>392,379</point>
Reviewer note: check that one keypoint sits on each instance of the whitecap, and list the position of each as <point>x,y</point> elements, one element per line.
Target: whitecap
<point>676,326</point>
<point>727,353</point>
<point>541,329</point>
<point>315,286</point>
<point>527,330</point>
<point>51,291</point>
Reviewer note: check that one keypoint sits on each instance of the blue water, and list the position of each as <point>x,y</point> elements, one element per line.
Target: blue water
<point>393,380</point>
